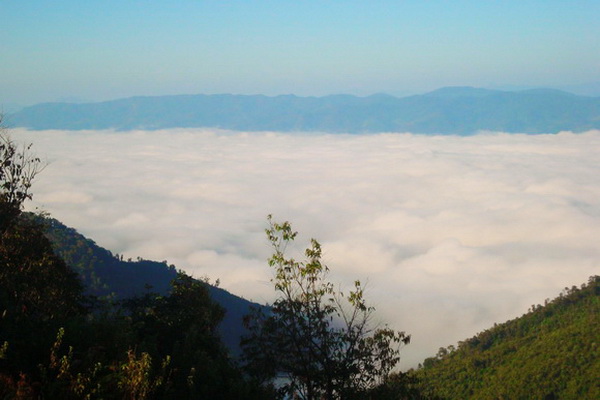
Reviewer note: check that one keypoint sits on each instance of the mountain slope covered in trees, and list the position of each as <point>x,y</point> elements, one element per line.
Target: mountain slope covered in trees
<point>107,275</point>
<point>552,352</point>
<point>454,110</point>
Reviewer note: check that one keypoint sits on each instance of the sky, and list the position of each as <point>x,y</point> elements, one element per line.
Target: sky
<point>450,234</point>
<point>71,50</point>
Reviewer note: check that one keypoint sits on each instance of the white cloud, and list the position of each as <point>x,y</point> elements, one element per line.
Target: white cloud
<point>452,233</point>
<point>65,197</point>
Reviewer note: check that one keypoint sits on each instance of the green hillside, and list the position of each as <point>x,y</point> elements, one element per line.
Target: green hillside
<point>552,352</point>
<point>102,272</point>
<point>105,274</point>
<point>57,343</point>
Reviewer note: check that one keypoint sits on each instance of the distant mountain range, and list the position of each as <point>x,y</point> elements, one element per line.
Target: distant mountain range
<point>452,110</point>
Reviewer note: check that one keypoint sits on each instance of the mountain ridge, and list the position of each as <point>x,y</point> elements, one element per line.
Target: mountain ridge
<point>105,274</point>
<point>450,110</point>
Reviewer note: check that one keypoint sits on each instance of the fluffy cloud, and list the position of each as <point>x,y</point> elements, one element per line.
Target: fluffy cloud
<point>451,233</point>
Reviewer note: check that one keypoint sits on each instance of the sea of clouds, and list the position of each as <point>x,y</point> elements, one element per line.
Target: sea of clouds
<point>450,233</point>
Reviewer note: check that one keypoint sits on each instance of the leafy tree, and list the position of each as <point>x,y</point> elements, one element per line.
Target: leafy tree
<point>182,327</point>
<point>317,339</point>
<point>18,168</point>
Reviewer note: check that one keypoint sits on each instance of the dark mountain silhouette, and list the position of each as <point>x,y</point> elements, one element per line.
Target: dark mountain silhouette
<point>453,110</point>
<point>105,274</point>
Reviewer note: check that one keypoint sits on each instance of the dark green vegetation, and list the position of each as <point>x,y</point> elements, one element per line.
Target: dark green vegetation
<point>58,343</point>
<point>552,352</point>
<point>446,111</point>
<point>70,335</point>
<point>109,276</point>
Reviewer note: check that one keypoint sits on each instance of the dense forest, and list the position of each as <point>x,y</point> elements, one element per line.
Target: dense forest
<point>551,352</point>
<point>111,277</point>
<point>78,322</point>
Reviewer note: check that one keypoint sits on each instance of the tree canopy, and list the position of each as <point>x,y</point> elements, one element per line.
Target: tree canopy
<point>551,352</point>
<point>316,339</point>
<point>18,168</point>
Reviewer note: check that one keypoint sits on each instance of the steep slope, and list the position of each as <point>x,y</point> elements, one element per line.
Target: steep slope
<point>105,274</point>
<point>552,352</point>
<point>461,110</point>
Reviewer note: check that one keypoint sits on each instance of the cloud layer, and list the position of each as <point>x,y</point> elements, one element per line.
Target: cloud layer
<point>452,234</point>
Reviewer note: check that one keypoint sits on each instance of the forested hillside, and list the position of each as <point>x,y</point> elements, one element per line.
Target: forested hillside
<point>56,342</point>
<point>103,273</point>
<point>552,352</point>
<point>109,276</point>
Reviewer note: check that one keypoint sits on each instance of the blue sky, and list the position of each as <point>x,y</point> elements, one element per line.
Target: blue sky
<point>100,50</point>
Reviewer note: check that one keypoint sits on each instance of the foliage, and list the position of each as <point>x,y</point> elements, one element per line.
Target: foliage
<point>109,276</point>
<point>183,327</point>
<point>38,291</point>
<point>552,352</point>
<point>18,168</point>
<point>103,273</point>
<point>155,347</point>
<point>54,343</point>
<point>399,386</point>
<point>316,338</point>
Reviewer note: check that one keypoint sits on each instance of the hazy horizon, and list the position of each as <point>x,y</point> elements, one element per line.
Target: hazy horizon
<point>95,51</point>
<point>451,233</point>
<point>590,89</point>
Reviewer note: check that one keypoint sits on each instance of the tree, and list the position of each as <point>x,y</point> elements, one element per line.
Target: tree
<point>18,168</point>
<point>33,280</point>
<point>317,339</point>
<point>38,291</point>
<point>182,328</point>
